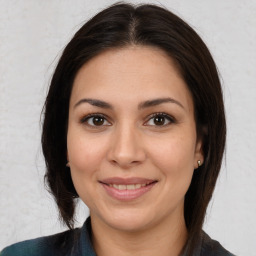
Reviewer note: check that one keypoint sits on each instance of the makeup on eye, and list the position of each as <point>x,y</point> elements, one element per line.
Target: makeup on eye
<point>95,119</point>
<point>159,119</point>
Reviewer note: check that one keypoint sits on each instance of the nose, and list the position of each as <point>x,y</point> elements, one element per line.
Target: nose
<point>126,148</point>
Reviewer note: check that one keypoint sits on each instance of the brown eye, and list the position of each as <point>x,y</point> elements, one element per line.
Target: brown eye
<point>159,119</point>
<point>95,120</point>
<point>98,120</point>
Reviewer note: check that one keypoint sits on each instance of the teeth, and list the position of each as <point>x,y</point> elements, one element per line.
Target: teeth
<point>121,187</point>
<point>128,187</point>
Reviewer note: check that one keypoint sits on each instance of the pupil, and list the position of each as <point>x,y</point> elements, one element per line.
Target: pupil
<point>159,120</point>
<point>98,120</point>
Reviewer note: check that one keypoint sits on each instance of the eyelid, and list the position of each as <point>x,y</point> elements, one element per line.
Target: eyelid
<point>165,115</point>
<point>85,118</point>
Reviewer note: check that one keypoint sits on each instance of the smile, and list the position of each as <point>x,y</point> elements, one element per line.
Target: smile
<point>127,189</point>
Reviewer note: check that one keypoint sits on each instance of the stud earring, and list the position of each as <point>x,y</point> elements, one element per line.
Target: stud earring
<point>199,163</point>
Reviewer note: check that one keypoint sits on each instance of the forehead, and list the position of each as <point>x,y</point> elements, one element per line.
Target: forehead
<point>131,73</point>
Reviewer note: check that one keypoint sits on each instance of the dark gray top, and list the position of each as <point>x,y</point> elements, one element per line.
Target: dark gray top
<point>77,242</point>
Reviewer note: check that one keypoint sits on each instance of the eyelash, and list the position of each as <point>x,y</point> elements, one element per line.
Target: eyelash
<point>85,119</point>
<point>167,117</point>
<point>170,119</point>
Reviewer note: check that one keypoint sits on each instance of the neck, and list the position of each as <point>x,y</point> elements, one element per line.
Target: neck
<point>166,239</point>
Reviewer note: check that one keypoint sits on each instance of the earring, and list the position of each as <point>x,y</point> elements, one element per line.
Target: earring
<point>67,164</point>
<point>199,163</point>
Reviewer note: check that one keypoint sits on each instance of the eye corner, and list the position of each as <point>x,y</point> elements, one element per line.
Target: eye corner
<point>102,119</point>
<point>165,120</point>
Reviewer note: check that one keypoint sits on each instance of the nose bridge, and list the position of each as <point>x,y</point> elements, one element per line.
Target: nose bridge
<point>127,147</point>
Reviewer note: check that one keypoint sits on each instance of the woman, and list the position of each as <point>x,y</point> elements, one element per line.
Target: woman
<point>134,125</point>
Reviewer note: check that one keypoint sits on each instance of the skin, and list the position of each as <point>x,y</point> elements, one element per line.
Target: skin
<point>129,142</point>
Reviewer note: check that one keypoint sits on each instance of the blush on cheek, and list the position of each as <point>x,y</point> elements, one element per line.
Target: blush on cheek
<point>176,161</point>
<point>83,163</point>
<point>82,151</point>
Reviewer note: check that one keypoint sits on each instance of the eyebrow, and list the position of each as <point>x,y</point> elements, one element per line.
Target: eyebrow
<point>155,102</point>
<point>94,102</point>
<point>142,105</point>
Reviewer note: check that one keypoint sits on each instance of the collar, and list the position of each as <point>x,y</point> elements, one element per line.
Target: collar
<point>205,245</point>
<point>85,243</point>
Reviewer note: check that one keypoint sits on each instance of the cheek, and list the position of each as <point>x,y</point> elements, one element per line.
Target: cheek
<point>174,158</point>
<point>175,152</point>
<point>85,153</point>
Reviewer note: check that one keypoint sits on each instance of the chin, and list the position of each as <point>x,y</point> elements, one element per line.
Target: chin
<point>130,221</point>
<point>129,225</point>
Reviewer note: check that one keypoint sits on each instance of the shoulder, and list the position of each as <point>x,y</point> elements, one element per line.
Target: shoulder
<point>212,247</point>
<point>53,245</point>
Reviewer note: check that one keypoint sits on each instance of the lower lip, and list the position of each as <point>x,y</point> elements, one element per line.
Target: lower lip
<point>126,195</point>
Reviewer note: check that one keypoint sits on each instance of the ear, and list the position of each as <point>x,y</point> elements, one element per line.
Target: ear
<point>199,155</point>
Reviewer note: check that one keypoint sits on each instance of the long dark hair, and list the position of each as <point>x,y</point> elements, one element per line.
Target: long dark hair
<point>122,25</point>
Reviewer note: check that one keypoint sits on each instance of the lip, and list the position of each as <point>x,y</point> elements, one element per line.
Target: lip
<point>126,181</point>
<point>126,194</point>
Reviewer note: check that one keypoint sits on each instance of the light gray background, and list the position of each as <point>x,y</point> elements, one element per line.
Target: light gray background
<point>32,35</point>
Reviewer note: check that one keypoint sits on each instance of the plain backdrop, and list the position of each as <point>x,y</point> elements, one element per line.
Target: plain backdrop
<point>32,35</point>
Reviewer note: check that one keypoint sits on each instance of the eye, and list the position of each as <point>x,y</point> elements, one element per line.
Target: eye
<point>95,120</point>
<point>159,119</point>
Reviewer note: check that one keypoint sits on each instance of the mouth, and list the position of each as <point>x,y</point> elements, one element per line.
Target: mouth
<point>127,189</point>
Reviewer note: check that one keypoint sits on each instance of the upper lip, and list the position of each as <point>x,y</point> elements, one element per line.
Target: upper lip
<point>127,181</point>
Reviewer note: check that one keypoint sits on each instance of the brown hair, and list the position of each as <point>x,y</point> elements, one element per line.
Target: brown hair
<point>121,25</point>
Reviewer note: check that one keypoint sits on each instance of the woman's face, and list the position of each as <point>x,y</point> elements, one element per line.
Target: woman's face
<point>132,142</point>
